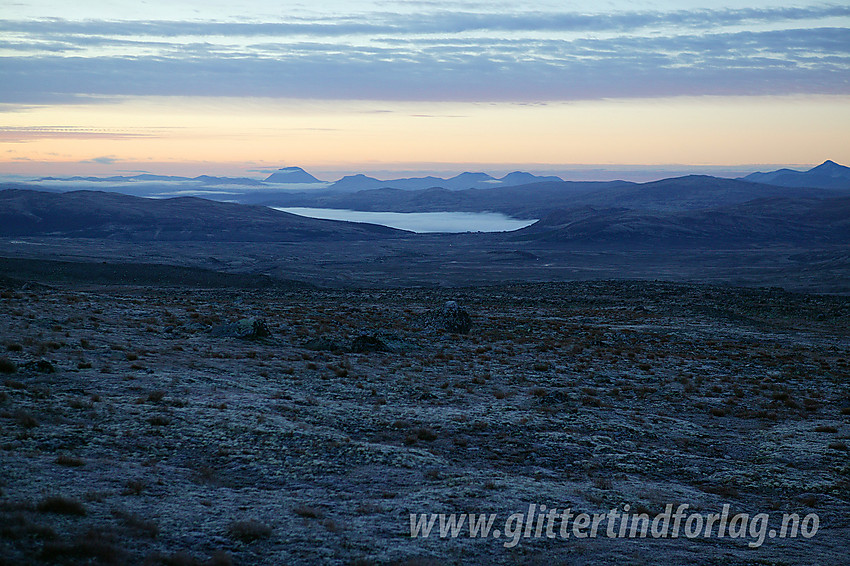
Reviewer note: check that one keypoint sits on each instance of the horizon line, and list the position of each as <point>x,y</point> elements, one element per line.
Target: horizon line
<point>444,170</point>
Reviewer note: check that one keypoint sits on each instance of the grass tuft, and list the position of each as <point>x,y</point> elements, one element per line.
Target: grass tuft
<point>61,506</point>
<point>249,531</point>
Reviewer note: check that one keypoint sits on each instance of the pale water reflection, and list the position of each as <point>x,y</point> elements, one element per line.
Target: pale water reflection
<point>420,221</point>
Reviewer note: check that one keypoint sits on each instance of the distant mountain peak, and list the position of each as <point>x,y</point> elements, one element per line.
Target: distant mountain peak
<point>830,167</point>
<point>468,175</point>
<point>291,175</point>
<point>827,175</point>
<point>522,177</point>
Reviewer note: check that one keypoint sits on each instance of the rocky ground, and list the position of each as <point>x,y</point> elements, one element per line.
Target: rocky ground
<point>148,425</point>
<point>431,260</point>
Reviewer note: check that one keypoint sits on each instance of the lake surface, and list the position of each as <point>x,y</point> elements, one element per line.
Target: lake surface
<point>421,222</point>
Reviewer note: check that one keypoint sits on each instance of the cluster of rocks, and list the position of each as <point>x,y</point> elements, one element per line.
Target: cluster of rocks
<point>449,318</point>
<point>246,329</point>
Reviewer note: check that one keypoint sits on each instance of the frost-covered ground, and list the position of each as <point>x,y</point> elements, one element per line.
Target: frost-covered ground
<point>153,441</point>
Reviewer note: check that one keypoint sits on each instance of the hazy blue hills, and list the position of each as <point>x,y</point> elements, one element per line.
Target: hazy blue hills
<point>467,180</point>
<point>357,182</point>
<point>538,199</point>
<point>118,178</point>
<point>523,201</point>
<point>360,182</point>
<point>97,214</point>
<point>519,193</point>
<point>523,178</point>
<point>697,212</point>
<point>210,180</point>
<point>687,210</point>
<point>693,192</point>
<point>787,221</point>
<point>827,175</point>
<point>148,178</point>
<point>284,180</point>
<point>363,182</point>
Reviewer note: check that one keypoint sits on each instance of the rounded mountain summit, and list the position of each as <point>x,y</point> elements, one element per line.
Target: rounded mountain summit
<point>291,175</point>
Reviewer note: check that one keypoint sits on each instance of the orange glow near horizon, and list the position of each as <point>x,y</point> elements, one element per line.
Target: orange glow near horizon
<point>183,134</point>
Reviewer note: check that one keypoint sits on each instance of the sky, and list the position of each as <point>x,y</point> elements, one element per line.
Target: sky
<point>90,87</point>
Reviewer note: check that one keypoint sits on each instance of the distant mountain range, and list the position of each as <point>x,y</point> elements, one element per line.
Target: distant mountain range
<point>354,183</point>
<point>827,175</point>
<point>285,179</point>
<point>760,207</point>
<point>536,200</point>
<point>524,201</point>
<point>801,221</point>
<point>148,178</point>
<point>689,226</point>
<point>692,210</point>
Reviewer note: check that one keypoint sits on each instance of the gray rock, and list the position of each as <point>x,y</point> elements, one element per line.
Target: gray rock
<point>367,343</point>
<point>41,366</point>
<point>452,318</point>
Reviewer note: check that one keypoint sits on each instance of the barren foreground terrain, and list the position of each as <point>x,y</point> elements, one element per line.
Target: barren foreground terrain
<point>136,426</point>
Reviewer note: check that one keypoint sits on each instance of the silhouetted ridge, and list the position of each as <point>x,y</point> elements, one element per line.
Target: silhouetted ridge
<point>827,175</point>
<point>95,214</point>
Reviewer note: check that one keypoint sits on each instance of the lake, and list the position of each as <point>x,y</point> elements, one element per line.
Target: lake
<point>421,222</point>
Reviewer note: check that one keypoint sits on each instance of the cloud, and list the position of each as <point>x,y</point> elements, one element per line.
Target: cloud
<point>105,160</point>
<point>774,62</point>
<point>435,55</point>
<point>434,21</point>
<point>10,134</point>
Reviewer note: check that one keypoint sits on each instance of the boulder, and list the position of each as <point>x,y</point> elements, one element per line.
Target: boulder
<point>41,366</point>
<point>452,318</point>
<point>368,343</point>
